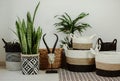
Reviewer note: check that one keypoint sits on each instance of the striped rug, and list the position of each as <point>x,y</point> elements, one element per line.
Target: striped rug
<point>66,75</point>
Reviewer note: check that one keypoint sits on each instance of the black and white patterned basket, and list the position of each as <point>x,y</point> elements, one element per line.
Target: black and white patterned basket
<point>30,64</point>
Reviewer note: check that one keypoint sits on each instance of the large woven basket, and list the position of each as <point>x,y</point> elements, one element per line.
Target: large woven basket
<point>44,64</point>
<point>108,64</point>
<point>80,60</point>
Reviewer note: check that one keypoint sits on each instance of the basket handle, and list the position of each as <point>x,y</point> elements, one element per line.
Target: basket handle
<point>115,41</point>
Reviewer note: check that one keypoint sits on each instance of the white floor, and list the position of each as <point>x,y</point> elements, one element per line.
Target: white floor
<point>6,75</point>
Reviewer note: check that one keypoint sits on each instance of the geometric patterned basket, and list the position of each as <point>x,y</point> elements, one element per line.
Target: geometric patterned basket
<point>30,64</point>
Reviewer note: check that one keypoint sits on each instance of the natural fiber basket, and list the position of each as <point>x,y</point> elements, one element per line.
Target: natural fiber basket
<point>44,64</point>
<point>80,60</point>
<point>108,64</point>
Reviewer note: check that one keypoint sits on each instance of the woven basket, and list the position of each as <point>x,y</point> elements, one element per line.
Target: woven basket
<point>80,60</point>
<point>44,64</point>
<point>108,64</point>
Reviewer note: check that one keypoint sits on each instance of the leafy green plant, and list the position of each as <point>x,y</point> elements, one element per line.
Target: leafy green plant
<point>28,36</point>
<point>68,25</point>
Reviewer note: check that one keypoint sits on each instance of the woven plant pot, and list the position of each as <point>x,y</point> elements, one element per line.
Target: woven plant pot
<point>30,64</point>
<point>108,64</point>
<point>80,60</point>
<point>44,64</point>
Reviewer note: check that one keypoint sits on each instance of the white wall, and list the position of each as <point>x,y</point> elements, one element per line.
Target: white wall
<point>104,17</point>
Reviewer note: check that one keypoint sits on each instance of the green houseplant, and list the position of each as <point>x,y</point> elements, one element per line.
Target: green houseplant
<point>68,25</point>
<point>29,39</point>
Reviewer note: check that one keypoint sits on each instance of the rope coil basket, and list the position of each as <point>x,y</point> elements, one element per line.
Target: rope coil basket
<point>108,64</point>
<point>82,42</point>
<point>80,60</point>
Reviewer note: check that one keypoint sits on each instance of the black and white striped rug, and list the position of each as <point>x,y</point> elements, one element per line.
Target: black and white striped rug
<point>66,75</point>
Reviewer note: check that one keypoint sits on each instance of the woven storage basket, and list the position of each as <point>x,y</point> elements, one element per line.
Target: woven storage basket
<point>108,64</point>
<point>44,64</point>
<point>82,42</point>
<point>80,60</point>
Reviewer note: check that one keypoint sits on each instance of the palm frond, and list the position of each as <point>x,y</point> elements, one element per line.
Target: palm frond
<point>68,25</point>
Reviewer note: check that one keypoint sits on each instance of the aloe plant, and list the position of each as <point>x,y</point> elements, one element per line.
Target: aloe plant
<point>28,36</point>
<point>68,25</point>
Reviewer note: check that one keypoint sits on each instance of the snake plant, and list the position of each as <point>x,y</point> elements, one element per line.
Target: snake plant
<point>28,36</point>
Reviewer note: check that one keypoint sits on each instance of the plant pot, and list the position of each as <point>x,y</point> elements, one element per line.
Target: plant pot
<point>108,64</point>
<point>13,61</point>
<point>80,60</point>
<point>30,64</point>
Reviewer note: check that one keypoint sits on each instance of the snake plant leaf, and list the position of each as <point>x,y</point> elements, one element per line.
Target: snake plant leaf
<point>35,11</point>
<point>29,37</point>
<point>29,19</point>
<point>18,30</point>
<point>37,40</point>
<point>24,26</point>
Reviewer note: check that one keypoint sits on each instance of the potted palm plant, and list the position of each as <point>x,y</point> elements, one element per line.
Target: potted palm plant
<point>68,25</point>
<point>76,60</point>
<point>29,39</point>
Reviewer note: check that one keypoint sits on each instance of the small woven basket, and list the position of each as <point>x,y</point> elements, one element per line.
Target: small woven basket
<point>44,64</point>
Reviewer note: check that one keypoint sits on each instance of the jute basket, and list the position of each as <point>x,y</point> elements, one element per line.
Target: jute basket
<point>44,64</point>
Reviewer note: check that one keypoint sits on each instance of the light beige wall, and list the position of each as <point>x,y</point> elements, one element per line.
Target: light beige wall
<point>104,17</point>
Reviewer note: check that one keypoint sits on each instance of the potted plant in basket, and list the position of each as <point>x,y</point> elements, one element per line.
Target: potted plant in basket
<point>29,39</point>
<point>13,59</point>
<point>68,25</point>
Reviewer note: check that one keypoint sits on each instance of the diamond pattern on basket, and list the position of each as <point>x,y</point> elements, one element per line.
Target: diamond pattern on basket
<point>30,66</point>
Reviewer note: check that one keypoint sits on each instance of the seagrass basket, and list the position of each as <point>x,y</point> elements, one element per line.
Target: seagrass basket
<point>44,64</point>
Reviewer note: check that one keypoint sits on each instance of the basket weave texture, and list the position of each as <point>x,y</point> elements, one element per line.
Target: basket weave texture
<point>81,46</point>
<point>44,64</point>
